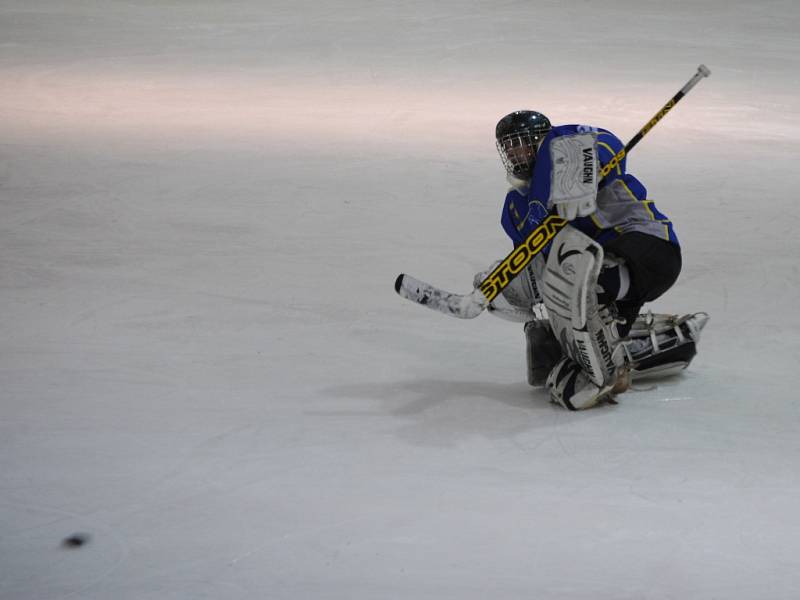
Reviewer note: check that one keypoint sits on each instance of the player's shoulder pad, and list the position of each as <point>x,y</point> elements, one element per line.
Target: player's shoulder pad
<point>574,128</point>
<point>603,135</point>
<point>607,137</point>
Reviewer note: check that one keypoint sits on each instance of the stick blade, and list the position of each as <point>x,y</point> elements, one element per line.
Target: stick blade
<point>466,306</point>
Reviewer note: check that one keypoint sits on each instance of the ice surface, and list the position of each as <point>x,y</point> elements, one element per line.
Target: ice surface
<point>204,364</point>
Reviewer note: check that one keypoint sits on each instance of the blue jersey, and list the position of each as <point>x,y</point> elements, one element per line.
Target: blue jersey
<point>622,204</point>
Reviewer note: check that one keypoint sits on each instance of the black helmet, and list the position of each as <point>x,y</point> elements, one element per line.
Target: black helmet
<point>518,136</point>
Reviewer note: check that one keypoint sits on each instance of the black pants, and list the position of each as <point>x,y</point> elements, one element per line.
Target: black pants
<point>654,265</point>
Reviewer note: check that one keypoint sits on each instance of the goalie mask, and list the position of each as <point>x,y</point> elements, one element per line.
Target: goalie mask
<point>518,137</point>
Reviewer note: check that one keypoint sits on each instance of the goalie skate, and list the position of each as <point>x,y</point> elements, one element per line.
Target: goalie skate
<point>658,345</point>
<point>663,345</point>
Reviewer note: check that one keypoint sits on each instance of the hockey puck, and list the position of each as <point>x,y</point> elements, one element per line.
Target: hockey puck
<point>76,540</point>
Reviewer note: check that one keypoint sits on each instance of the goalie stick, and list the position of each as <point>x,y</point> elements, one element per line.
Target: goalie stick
<point>469,306</point>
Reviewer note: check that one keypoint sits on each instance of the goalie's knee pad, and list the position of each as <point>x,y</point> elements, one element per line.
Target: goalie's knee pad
<point>662,345</point>
<point>571,387</point>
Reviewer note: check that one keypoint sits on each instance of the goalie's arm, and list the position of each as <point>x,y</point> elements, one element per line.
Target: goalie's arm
<point>702,71</point>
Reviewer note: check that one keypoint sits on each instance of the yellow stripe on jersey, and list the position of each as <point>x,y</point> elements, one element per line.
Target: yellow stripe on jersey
<point>635,199</point>
<point>520,221</point>
<point>515,214</point>
<point>647,204</point>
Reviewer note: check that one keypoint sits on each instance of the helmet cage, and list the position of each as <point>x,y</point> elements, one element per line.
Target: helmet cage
<point>518,152</point>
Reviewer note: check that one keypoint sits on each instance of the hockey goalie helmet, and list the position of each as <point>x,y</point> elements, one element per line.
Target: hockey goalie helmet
<point>518,137</point>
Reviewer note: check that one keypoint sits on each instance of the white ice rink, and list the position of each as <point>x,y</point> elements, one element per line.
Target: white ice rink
<point>204,364</point>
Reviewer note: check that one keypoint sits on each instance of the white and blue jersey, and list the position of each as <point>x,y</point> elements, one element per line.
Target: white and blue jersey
<point>622,203</point>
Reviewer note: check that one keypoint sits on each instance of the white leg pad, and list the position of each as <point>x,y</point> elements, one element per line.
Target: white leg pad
<point>585,330</point>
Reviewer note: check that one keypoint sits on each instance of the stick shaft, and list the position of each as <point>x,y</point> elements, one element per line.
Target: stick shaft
<point>702,71</point>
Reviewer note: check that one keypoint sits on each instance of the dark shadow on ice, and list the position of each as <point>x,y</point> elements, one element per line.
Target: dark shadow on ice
<point>428,393</point>
<point>438,412</point>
